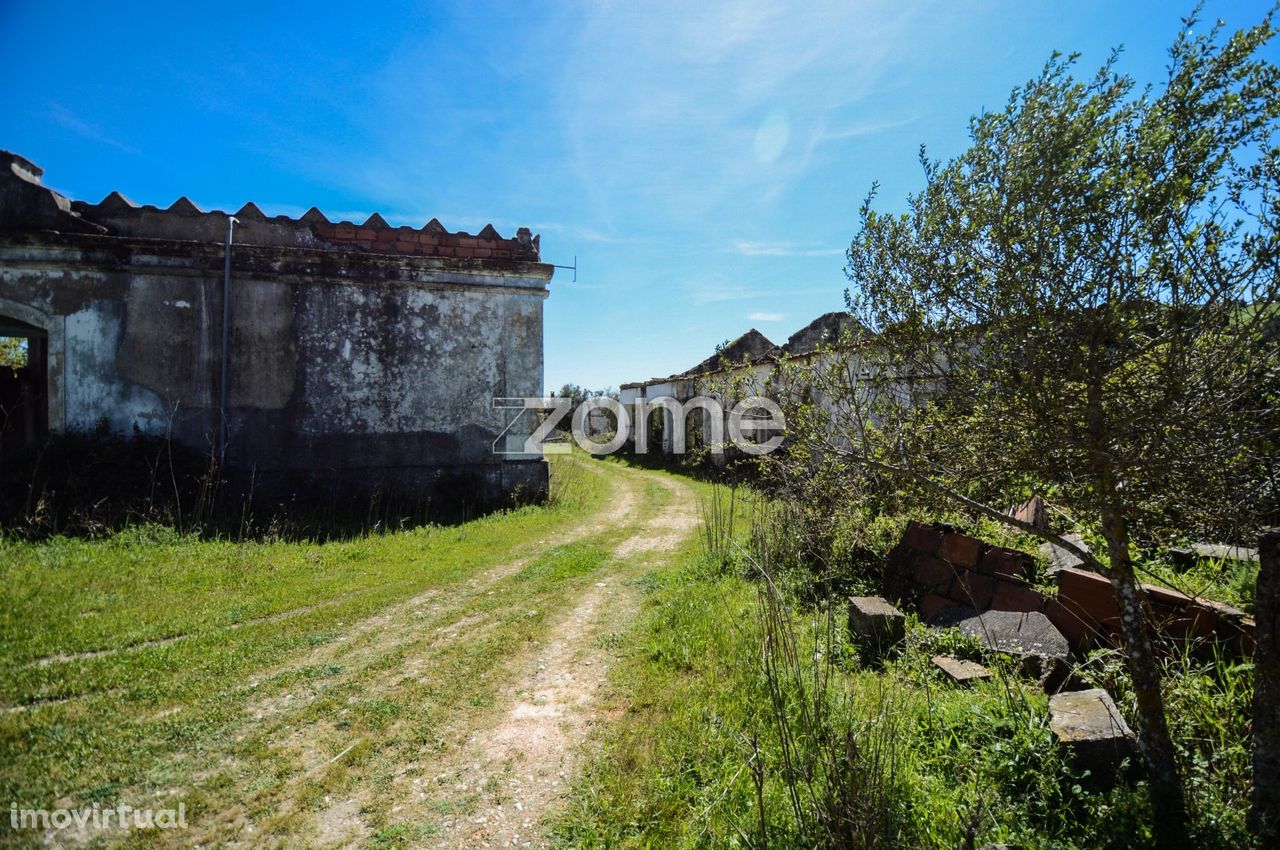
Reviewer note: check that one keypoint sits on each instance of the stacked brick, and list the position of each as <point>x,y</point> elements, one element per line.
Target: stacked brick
<point>937,567</point>
<point>376,236</point>
<point>183,220</point>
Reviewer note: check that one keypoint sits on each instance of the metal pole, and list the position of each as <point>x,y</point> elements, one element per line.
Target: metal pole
<point>226,347</point>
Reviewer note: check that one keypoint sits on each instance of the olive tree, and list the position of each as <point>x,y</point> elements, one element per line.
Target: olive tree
<point>1083,301</point>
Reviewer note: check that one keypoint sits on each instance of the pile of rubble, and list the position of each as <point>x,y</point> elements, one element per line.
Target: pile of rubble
<point>936,567</point>
<point>958,581</point>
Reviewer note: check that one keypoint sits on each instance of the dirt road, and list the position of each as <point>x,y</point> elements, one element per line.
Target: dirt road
<point>454,719</point>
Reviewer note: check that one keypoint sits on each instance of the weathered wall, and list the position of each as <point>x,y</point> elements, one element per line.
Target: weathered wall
<point>349,369</point>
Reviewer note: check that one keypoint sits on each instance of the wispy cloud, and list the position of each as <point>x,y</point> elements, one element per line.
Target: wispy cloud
<point>716,291</point>
<point>766,317</point>
<point>866,128</point>
<point>68,120</point>
<point>684,111</point>
<point>784,249</point>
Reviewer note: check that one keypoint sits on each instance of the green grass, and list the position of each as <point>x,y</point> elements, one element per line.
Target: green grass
<point>117,654</point>
<point>936,759</point>
<point>195,636</point>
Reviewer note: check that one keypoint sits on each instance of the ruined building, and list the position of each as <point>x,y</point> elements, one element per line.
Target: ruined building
<point>751,357</point>
<point>313,357</point>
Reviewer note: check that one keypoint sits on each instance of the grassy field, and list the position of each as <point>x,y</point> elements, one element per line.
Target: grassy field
<point>320,694</point>
<point>149,661</point>
<point>699,758</point>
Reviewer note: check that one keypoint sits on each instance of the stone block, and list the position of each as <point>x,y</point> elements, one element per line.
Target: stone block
<point>1079,632</point>
<point>873,620</point>
<point>932,603</point>
<point>960,550</point>
<point>1193,623</point>
<point>1163,597</point>
<point>1033,511</point>
<point>1059,558</point>
<point>922,538</point>
<point>1000,561</point>
<point>974,589</point>
<point>1016,596</point>
<point>1089,594</point>
<point>1017,633</point>
<point>1186,558</point>
<point>933,574</point>
<point>1094,734</point>
<point>959,671</point>
<point>1222,610</point>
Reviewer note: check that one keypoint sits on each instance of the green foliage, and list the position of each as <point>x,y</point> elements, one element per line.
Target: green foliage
<point>701,718</point>
<point>1085,298</point>
<point>13,352</point>
<point>1221,579</point>
<point>1209,696</point>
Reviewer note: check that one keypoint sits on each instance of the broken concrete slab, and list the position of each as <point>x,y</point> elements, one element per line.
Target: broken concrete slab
<point>1093,732</point>
<point>1060,558</point>
<point>1016,632</point>
<point>1042,649</point>
<point>1186,558</point>
<point>960,671</point>
<point>874,620</point>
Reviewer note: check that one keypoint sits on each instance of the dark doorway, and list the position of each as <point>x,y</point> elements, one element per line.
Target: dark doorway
<point>24,374</point>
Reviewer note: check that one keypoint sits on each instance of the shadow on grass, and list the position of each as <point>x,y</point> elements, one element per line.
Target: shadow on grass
<point>90,484</point>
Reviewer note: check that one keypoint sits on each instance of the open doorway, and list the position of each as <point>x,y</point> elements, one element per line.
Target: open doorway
<point>24,381</point>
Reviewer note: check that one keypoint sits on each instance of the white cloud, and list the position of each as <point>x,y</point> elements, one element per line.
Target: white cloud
<point>766,317</point>
<point>682,109</point>
<point>784,249</point>
<point>715,292</point>
<point>68,120</point>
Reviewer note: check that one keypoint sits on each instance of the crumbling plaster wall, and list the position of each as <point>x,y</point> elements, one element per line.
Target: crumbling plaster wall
<point>344,367</point>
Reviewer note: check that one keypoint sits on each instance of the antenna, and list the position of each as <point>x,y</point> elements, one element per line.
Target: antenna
<point>574,267</point>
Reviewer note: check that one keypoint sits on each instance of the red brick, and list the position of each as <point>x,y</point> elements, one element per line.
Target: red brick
<point>1007,562</point>
<point>1246,642</point>
<point>934,574</point>
<point>1223,610</point>
<point>932,603</point>
<point>1163,597</point>
<point>1089,592</point>
<point>1016,596</point>
<point>1078,631</point>
<point>973,590</point>
<point>960,549</point>
<point>1193,623</point>
<point>922,538</point>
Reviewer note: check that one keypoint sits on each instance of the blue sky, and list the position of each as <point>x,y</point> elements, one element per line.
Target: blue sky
<point>704,161</point>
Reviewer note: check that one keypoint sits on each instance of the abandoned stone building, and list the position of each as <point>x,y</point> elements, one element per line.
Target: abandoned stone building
<point>752,357</point>
<point>311,356</point>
